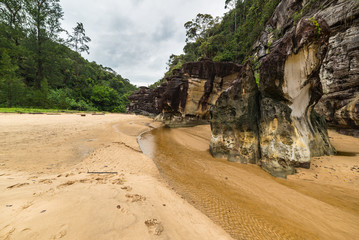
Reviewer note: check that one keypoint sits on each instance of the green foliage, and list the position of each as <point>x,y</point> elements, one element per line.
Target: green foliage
<point>233,37</point>
<point>257,77</point>
<point>33,110</point>
<point>316,24</point>
<point>298,15</point>
<point>11,86</point>
<point>38,70</point>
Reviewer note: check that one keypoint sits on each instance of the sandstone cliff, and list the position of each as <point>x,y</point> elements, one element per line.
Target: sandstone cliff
<point>279,130</point>
<point>186,97</point>
<point>234,120</point>
<point>290,133</point>
<point>145,101</point>
<point>309,59</point>
<point>339,72</point>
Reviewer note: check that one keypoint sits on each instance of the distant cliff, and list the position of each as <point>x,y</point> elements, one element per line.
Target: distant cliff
<point>186,97</point>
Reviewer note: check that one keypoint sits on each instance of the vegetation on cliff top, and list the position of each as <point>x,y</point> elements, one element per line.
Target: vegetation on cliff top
<point>230,39</point>
<point>38,68</point>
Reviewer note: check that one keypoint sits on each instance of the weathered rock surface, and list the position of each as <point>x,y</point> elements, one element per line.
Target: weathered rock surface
<point>290,133</point>
<point>340,79</point>
<point>186,97</point>
<point>339,70</point>
<point>145,101</point>
<point>280,130</point>
<point>190,94</point>
<point>234,121</point>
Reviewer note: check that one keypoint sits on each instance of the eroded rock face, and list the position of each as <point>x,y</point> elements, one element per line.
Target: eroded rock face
<point>340,79</point>
<point>142,102</point>
<point>339,70</point>
<point>278,130</point>
<point>187,96</point>
<point>290,87</point>
<point>234,121</point>
<point>190,93</point>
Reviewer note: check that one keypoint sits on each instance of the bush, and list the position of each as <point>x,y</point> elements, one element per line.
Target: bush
<point>105,98</point>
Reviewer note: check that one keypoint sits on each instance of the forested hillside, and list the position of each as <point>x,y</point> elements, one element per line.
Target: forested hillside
<point>38,68</point>
<point>229,39</point>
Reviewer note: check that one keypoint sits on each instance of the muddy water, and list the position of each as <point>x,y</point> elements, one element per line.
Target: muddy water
<point>244,200</point>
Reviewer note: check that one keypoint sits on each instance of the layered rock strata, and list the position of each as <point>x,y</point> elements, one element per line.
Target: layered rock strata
<point>146,101</point>
<point>279,130</point>
<point>339,72</point>
<point>191,93</point>
<point>187,96</point>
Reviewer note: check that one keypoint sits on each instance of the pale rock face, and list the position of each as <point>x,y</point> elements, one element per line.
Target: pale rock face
<point>290,132</point>
<point>279,129</point>
<point>296,87</point>
<point>195,93</point>
<point>337,12</point>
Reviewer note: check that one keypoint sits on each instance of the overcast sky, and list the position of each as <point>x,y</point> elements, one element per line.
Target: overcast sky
<point>136,37</point>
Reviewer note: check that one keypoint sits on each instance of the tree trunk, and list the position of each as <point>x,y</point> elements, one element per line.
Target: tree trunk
<point>9,103</point>
<point>235,20</point>
<point>39,73</point>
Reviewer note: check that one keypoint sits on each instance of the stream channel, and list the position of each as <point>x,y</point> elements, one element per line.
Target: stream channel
<point>227,192</point>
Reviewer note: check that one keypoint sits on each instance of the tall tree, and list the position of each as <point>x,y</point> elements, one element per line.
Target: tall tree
<point>79,40</point>
<point>232,4</point>
<point>44,21</point>
<point>12,15</point>
<point>198,28</point>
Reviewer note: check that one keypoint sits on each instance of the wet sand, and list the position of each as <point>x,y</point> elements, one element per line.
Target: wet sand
<point>73,177</point>
<point>317,203</point>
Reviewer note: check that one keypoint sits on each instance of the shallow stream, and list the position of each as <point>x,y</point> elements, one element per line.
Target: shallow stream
<point>226,192</point>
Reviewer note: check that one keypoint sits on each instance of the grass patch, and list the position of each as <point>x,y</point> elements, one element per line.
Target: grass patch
<point>42,111</point>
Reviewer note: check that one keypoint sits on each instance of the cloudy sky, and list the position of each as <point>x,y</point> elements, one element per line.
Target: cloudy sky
<point>136,37</point>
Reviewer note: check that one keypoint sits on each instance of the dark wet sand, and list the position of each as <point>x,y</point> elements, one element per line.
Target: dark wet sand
<point>249,203</point>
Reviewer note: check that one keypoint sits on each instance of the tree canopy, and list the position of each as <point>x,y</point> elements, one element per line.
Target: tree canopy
<point>230,39</point>
<point>38,69</point>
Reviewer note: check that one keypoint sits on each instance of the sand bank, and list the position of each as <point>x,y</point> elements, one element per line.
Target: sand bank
<point>47,192</point>
<point>317,203</point>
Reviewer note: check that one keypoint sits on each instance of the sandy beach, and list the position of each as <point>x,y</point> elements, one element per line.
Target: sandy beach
<point>47,192</point>
<point>73,177</point>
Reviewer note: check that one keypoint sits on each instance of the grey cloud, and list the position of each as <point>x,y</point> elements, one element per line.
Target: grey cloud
<point>165,30</point>
<point>136,37</point>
